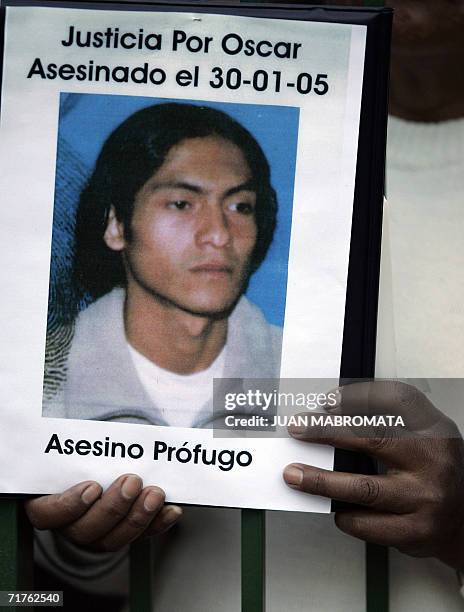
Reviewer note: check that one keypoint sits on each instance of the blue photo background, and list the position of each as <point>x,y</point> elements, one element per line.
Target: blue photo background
<point>86,120</point>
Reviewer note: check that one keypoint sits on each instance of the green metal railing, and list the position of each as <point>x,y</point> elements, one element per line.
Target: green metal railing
<point>16,567</point>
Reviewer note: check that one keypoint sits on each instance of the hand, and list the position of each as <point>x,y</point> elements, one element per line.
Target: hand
<point>104,521</point>
<point>417,505</point>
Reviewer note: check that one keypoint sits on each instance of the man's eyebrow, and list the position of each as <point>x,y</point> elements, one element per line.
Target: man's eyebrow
<point>176,185</point>
<point>247,186</point>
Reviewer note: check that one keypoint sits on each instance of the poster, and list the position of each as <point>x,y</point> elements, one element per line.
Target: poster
<point>177,196</point>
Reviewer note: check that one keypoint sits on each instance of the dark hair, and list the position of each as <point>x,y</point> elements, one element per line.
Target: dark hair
<point>130,156</point>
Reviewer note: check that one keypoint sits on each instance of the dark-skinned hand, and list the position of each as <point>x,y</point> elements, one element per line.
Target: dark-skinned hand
<point>104,521</point>
<point>417,504</point>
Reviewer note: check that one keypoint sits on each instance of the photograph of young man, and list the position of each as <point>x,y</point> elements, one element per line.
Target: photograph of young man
<point>177,215</point>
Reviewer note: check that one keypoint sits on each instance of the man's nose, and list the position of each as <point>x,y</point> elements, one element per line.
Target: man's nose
<point>214,227</point>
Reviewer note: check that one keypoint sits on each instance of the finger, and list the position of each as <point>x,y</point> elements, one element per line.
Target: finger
<point>396,398</point>
<point>382,442</point>
<point>56,511</point>
<point>390,493</point>
<point>107,512</point>
<point>378,528</point>
<point>406,453</point>
<point>166,519</point>
<point>147,505</point>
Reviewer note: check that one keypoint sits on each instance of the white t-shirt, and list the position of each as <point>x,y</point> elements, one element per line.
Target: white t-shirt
<point>180,398</point>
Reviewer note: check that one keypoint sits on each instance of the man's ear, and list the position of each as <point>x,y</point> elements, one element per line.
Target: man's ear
<point>114,233</point>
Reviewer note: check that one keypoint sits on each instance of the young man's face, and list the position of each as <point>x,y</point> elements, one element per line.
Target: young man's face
<point>193,228</point>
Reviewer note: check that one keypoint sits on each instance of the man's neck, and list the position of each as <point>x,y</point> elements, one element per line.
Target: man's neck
<point>171,338</point>
<point>427,87</point>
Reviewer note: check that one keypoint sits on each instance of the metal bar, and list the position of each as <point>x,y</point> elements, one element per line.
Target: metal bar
<point>141,576</point>
<point>377,595</point>
<point>253,560</point>
<point>16,551</point>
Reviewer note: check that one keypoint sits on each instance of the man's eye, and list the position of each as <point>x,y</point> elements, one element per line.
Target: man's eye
<point>178,205</point>
<point>244,208</point>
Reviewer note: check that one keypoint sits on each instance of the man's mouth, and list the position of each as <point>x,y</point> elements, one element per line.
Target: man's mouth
<point>213,268</point>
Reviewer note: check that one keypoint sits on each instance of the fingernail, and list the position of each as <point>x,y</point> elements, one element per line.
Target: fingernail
<point>171,515</point>
<point>293,476</point>
<point>91,494</point>
<point>335,400</point>
<point>296,430</point>
<point>131,487</point>
<point>152,501</point>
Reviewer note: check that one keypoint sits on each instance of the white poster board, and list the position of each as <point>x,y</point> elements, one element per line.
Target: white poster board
<point>72,76</point>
